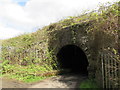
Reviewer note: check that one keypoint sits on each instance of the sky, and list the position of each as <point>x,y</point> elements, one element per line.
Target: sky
<point>26,16</point>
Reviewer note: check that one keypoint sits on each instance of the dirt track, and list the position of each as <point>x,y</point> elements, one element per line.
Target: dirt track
<point>61,81</point>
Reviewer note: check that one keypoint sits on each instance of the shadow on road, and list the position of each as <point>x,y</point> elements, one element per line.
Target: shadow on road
<point>72,80</point>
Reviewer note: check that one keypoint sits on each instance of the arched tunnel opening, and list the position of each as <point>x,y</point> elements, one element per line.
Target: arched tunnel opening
<point>72,58</point>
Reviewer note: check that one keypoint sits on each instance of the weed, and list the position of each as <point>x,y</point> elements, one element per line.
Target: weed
<point>30,73</point>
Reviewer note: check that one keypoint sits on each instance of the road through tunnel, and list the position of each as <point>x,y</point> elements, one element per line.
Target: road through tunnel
<point>73,58</point>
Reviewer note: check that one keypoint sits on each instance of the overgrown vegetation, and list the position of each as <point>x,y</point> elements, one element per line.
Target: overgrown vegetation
<point>30,73</point>
<point>28,56</point>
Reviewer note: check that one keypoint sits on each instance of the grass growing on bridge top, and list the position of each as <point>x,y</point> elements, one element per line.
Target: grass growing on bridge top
<point>105,15</point>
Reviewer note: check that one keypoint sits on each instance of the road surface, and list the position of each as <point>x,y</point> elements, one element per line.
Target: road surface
<point>60,81</point>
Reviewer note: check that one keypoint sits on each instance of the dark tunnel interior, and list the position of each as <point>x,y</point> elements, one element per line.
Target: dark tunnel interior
<point>73,58</point>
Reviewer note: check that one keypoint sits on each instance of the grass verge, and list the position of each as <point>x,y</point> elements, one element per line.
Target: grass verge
<point>28,74</point>
<point>26,79</point>
<point>88,84</point>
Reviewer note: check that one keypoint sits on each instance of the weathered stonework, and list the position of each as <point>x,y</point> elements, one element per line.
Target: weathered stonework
<point>75,35</point>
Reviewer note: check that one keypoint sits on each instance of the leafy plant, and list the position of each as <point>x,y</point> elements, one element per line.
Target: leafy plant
<point>29,73</point>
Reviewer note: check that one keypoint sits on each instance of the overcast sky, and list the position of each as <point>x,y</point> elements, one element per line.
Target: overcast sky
<point>22,16</point>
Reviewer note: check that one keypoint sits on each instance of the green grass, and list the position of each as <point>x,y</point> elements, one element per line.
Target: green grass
<point>26,79</point>
<point>88,84</point>
<point>30,73</point>
<point>34,79</point>
<point>0,74</point>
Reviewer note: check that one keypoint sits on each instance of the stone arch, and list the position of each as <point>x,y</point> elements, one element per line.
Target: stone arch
<point>74,35</point>
<point>72,57</point>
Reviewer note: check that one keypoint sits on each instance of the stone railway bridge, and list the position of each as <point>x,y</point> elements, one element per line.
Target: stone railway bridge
<point>87,53</point>
<point>75,47</point>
